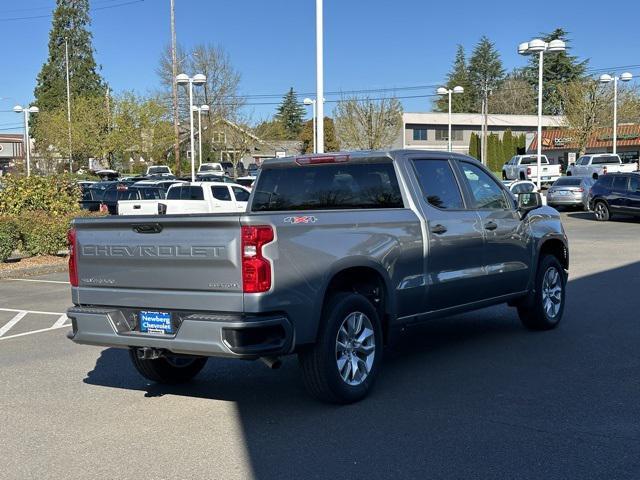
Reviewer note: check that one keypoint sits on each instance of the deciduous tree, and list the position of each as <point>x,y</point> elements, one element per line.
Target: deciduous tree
<point>367,124</point>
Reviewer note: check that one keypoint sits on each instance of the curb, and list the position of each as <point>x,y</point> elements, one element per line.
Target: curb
<point>33,271</point>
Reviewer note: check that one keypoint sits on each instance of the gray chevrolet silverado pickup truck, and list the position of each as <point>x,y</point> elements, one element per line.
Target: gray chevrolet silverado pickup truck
<point>334,256</point>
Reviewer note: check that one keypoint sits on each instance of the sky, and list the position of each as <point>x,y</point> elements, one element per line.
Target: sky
<point>369,44</point>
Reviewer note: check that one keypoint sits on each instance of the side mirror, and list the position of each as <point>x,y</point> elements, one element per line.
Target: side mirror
<point>528,202</point>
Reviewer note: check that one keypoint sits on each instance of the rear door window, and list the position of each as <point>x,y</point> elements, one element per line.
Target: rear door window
<point>331,186</point>
<point>604,159</point>
<point>438,183</point>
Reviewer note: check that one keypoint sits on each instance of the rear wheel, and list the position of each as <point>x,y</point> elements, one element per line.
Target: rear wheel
<point>169,368</point>
<point>544,308</point>
<point>601,211</point>
<point>342,365</point>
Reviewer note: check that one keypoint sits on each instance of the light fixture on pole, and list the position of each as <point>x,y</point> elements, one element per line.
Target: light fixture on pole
<point>319,77</point>
<point>312,102</point>
<point>27,142</point>
<point>606,78</point>
<point>540,47</point>
<point>198,79</point>
<point>449,91</point>
<point>200,109</point>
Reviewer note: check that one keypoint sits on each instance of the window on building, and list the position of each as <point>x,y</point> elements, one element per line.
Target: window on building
<point>419,133</point>
<point>219,137</point>
<point>629,157</point>
<point>443,135</point>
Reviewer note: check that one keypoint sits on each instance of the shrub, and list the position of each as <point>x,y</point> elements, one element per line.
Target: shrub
<point>9,238</point>
<point>56,195</point>
<point>43,234</point>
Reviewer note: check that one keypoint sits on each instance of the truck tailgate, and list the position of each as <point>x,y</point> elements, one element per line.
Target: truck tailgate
<point>138,207</point>
<point>181,262</point>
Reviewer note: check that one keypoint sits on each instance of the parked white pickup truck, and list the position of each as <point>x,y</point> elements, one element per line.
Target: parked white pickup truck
<point>599,164</point>
<point>525,167</point>
<point>205,197</point>
<point>146,201</point>
<point>159,171</point>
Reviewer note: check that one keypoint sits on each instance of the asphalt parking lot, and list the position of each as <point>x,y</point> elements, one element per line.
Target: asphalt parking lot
<point>473,396</point>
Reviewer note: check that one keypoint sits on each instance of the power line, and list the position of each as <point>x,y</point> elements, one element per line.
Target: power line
<point>32,9</point>
<point>49,15</point>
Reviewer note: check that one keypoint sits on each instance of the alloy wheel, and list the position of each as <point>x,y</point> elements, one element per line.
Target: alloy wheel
<point>355,348</point>
<point>552,292</point>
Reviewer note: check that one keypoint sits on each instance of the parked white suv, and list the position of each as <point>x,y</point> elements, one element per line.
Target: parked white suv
<point>598,164</point>
<point>525,167</point>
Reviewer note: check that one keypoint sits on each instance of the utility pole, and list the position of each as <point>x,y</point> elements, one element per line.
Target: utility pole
<point>66,57</point>
<point>319,78</point>
<point>485,113</point>
<point>174,91</point>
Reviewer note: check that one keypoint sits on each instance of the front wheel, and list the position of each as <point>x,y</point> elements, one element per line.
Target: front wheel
<point>342,365</point>
<point>168,369</point>
<point>544,310</point>
<point>601,211</point>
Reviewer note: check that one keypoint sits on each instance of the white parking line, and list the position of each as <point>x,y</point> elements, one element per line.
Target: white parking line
<point>35,280</point>
<point>61,322</point>
<point>12,322</point>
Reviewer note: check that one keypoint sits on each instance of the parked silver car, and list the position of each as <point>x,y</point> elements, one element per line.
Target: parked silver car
<point>569,192</point>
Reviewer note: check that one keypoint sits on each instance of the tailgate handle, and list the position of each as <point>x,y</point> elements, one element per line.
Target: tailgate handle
<point>148,228</point>
<point>136,207</point>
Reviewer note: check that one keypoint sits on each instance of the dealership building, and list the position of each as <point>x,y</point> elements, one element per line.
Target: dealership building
<point>560,147</point>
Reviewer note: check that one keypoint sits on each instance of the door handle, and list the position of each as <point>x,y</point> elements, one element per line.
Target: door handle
<point>439,229</point>
<point>490,226</point>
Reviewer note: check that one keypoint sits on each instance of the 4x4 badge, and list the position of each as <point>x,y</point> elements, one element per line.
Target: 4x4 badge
<point>299,220</point>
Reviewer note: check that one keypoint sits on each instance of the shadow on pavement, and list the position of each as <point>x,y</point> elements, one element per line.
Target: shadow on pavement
<point>472,396</point>
<point>616,217</point>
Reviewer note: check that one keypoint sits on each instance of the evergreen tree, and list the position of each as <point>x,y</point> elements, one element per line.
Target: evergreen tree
<point>508,148</point>
<point>485,70</point>
<point>291,113</point>
<point>474,146</point>
<point>71,22</point>
<point>558,68</point>
<point>458,76</point>
<point>331,143</point>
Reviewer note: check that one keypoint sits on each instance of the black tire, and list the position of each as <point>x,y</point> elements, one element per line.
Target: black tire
<point>569,174</point>
<point>170,369</point>
<point>601,211</point>
<point>532,312</point>
<point>522,176</point>
<point>319,363</point>
<point>504,175</point>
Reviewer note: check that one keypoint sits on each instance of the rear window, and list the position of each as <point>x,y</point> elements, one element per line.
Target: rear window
<point>604,159</point>
<point>185,192</point>
<point>567,182</point>
<point>328,187</point>
<point>532,160</point>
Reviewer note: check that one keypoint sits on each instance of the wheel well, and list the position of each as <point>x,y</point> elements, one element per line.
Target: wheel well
<point>594,176</point>
<point>365,281</point>
<point>558,250</point>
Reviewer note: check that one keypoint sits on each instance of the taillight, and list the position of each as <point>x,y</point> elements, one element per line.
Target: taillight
<point>317,160</point>
<point>528,170</point>
<point>581,189</point>
<point>256,270</point>
<point>72,241</point>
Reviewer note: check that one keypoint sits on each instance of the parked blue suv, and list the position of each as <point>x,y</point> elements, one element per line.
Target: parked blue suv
<point>615,193</point>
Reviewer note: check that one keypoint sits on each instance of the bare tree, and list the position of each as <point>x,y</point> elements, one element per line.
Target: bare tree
<point>513,97</point>
<point>368,124</point>
<point>239,139</point>
<point>588,106</point>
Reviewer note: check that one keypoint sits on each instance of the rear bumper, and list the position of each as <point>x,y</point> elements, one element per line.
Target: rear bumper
<point>564,200</point>
<point>205,334</point>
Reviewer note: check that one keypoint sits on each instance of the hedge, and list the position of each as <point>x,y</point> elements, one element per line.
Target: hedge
<point>9,238</point>
<point>56,195</point>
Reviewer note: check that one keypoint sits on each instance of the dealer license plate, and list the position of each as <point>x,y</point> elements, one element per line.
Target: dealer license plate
<point>155,322</point>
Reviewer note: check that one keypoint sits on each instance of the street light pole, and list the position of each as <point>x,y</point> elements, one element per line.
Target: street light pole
<point>197,79</point>
<point>200,109</point>
<point>540,47</point>
<point>312,102</point>
<point>625,77</point>
<point>449,91</point>
<point>319,78</point>
<point>66,56</point>
<point>27,142</point>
